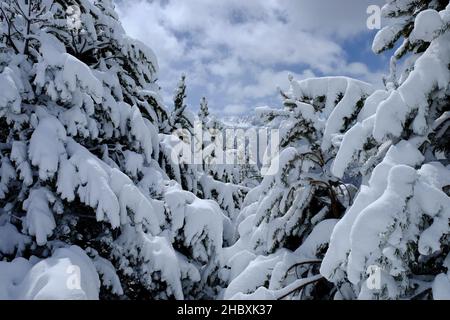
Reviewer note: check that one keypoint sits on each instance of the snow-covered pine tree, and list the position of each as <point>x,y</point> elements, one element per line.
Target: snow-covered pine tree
<point>393,241</point>
<point>194,157</point>
<point>181,118</point>
<point>298,192</point>
<point>223,180</point>
<point>224,141</point>
<point>248,173</point>
<point>178,141</point>
<point>80,188</point>
<point>203,113</point>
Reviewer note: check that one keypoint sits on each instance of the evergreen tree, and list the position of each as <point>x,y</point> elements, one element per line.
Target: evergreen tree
<point>298,192</point>
<point>180,117</point>
<point>80,113</point>
<point>396,232</point>
<point>193,155</point>
<point>203,113</point>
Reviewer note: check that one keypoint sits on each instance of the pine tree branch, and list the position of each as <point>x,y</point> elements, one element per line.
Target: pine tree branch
<point>313,261</point>
<point>8,36</point>
<point>298,285</point>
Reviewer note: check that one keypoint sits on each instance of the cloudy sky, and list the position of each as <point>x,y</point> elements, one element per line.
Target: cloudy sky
<point>237,52</point>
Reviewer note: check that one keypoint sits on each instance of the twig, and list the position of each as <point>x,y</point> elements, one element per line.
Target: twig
<point>8,36</point>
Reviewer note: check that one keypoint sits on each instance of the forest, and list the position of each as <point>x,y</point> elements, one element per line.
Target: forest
<point>109,192</point>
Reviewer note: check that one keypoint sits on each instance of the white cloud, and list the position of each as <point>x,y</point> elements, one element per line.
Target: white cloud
<point>266,85</point>
<point>237,52</point>
<point>233,109</point>
<point>141,21</point>
<point>342,18</point>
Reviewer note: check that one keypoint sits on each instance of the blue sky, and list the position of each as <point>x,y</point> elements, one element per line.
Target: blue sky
<point>236,52</point>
